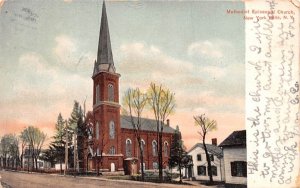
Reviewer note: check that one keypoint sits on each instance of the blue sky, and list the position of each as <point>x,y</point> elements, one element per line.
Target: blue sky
<point>194,48</point>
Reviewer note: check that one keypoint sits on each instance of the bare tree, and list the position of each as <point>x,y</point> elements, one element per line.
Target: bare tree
<point>162,102</point>
<point>206,126</point>
<point>134,103</point>
<point>14,151</point>
<point>98,150</point>
<point>35,138</point>
<point>24,142</point>
<point>9,147</point>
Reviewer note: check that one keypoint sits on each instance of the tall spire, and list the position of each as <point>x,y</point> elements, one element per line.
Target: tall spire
<point>104,57</point>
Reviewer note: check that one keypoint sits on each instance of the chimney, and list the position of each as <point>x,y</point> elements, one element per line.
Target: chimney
<point>214,141</point>
<point>168,122</point>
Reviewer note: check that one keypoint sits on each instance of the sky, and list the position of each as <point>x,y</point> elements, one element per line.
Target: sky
<point>194,48</point>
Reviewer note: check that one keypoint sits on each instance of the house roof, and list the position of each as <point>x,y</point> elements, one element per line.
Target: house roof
<point>237,138</point>
<point>146,125</point>
<point>213,149</point>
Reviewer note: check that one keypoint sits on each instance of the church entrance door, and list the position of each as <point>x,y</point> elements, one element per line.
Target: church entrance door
<point>112,167</point>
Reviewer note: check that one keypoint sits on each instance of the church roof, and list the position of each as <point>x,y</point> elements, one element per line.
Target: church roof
<point>237,138</point>
<point>147,124</point>
<point>212,149</point>
<point>104,56</point>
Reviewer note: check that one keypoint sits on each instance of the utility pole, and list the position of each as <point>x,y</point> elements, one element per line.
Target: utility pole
<point>75,153</point>
<point>66,148</point>
<point>28,158</point>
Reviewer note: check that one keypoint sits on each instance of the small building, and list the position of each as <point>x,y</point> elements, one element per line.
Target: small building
<point>200,166</point>
<point>28,163</point>
<point>235,158</point>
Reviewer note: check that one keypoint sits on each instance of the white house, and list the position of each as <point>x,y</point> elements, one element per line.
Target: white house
<point>27,161</point>
<point>199,169</point>
<point>235,158</point>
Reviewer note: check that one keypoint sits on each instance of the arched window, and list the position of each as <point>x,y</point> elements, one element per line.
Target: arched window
<point>143,144</point>
<point>112,150</point>
<point>112,130</point>
<point>154,148</point>
<point>166,149</point>
<point>97,94</point>
<point>110,90</point>
<point>128,147</point>
<point>97,130</point>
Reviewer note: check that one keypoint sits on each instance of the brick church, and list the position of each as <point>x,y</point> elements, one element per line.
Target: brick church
<point>111,136</point>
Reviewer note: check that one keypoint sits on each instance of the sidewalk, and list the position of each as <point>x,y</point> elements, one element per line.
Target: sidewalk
<point>0,182</point>
<point>132,182</point>
<point>125,182</point>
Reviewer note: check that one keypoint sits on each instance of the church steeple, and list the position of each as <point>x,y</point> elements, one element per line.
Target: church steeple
<point>105,60</point>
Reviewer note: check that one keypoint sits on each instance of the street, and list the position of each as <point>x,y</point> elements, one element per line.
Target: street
<point>33,180</point>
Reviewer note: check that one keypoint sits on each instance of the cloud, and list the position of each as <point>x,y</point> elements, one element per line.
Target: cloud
<point>140,62</point>
<point>69,55</point>
<point>208,101</point>
<point>208,48</point>
<point>216,72</point>
<point>139,56</point>
<point>41,91</point>
<point>64,49</point>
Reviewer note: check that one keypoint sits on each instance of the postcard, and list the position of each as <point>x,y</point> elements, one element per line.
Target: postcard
<point>149,93</point>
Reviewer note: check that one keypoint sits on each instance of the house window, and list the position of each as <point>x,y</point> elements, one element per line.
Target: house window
<point>98,152</point>
<point>201,170</point>
<point>199,157</point>
<point>154,148</point>
<point>166,149</point>
<point>97,130</point>
<point>239,168</point>
<point>110,92</point>
<point>111,130</point>
<point>112,150</point>
<point>155,165</point>
<point>211,157</point>
<point>128,147</point>
<point>97,94</point>
<point>214,171</point>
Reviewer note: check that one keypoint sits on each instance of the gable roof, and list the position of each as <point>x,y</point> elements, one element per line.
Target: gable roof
<point>237,138</point>
<point>146,125</point>
<point>212,149</point>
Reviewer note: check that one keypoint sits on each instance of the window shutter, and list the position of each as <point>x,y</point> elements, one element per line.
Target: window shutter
<point>244,166</point>
<point>233,169</point>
